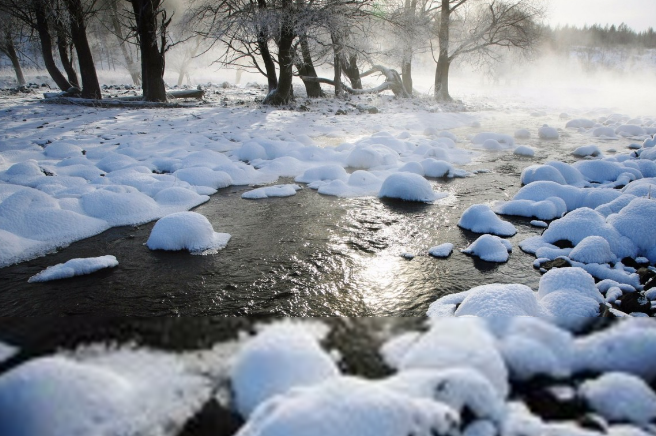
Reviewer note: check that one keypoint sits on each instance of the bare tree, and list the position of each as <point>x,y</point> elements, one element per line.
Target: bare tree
<point>78,30</point>
<point>152,22</point>
<point>476,27</point>
<point>9,32</point>
<point>267,35</point>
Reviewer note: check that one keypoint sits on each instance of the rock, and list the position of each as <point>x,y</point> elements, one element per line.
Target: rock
<point>340,112</point>
<point>212,420</point>
<point>634,302</point>
<point>646,275</point>
<point>556,263</point>
<point>367,108</point>
<point>550,401</point>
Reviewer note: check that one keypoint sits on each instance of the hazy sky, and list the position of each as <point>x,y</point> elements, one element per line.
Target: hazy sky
<point>638,14</point>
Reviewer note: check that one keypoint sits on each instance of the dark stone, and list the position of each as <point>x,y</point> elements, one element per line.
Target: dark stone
<point>631,262</point>
<point>563,243</point>
<point>650,284</point>
<point>212,420</point>
<point>540,396</point>
<point>634,302</point>
<point>340,112</point>
<point>560,262</point>
<point>645,275</point>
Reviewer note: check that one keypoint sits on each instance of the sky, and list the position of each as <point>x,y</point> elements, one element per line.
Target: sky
<point>638,14</point>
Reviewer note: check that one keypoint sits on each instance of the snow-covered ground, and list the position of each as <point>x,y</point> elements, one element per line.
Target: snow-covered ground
<point>458,376</point>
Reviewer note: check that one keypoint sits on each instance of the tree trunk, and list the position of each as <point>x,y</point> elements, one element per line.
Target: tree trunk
<point>90,85</point>
<point>46,46</point>
<point>133,69</point>
<point>10,51</point>
<point>152,57</point>
<point>283,93</point>
<point>442,79</point>
<point>337,54</point>
<point>67,63</point>
<point>306,69</point>
<point>352,72</point>
<point>441,90</point>
<point>406,72</point>
<point>406,64</point>
<point>263,46</point>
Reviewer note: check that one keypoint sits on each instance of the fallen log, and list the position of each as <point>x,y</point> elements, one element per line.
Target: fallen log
<point>392,82</point>
<point>185,93</point>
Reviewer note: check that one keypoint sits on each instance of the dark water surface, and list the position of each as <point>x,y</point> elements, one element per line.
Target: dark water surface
<point>307,255</point>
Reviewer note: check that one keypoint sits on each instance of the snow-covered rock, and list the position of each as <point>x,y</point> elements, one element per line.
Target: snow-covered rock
<point>350,407</point>
<point>620,397</point>
<point>490,248</point>
<point>524,150</point>
<point>409,187</point>
<point>279,358</point>
<point>186,231</point>
<point>593,249</point>
<point>479,218</point>
<point>546,132</point>
<point>458,343</point>
<point>459,388</point>
<point>442,250</point>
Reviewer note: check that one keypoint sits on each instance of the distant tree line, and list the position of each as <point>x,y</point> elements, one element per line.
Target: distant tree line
<point>565,37</point>
<point>281,39</point>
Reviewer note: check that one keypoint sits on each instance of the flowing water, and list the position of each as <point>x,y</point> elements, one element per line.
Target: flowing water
<point>306,255</point>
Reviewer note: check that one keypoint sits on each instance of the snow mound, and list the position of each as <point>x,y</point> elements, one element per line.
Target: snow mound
<point>74,267</point>
<point>522,134</point>
<point>442,250</point>
<point>203,176</point>
<point>498,304</point>
<point>532,346</point>
<point>580,123</point>
<point>409,187</point>
<point>570,296</point>
<point>620,397</point>
<point>587,150</point>
<point>360,183</point>
<point>583,222</point>
<point>279,358</point>
<point>458,343</point>
<point>126,392</point>
<point>546,132</point>
<point>490,248</point>
<point>536,173</point>
<point>348,406</point>
<point>271,191</point>
<point>186,231</point>
<point>524,150</point>
<point>636,222</point>
<point>593,249</point>
<point>479,218</point>
<point>628,346</point>
<point>459,388</point>
<point>322,174</point>
<point>504,140</point>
